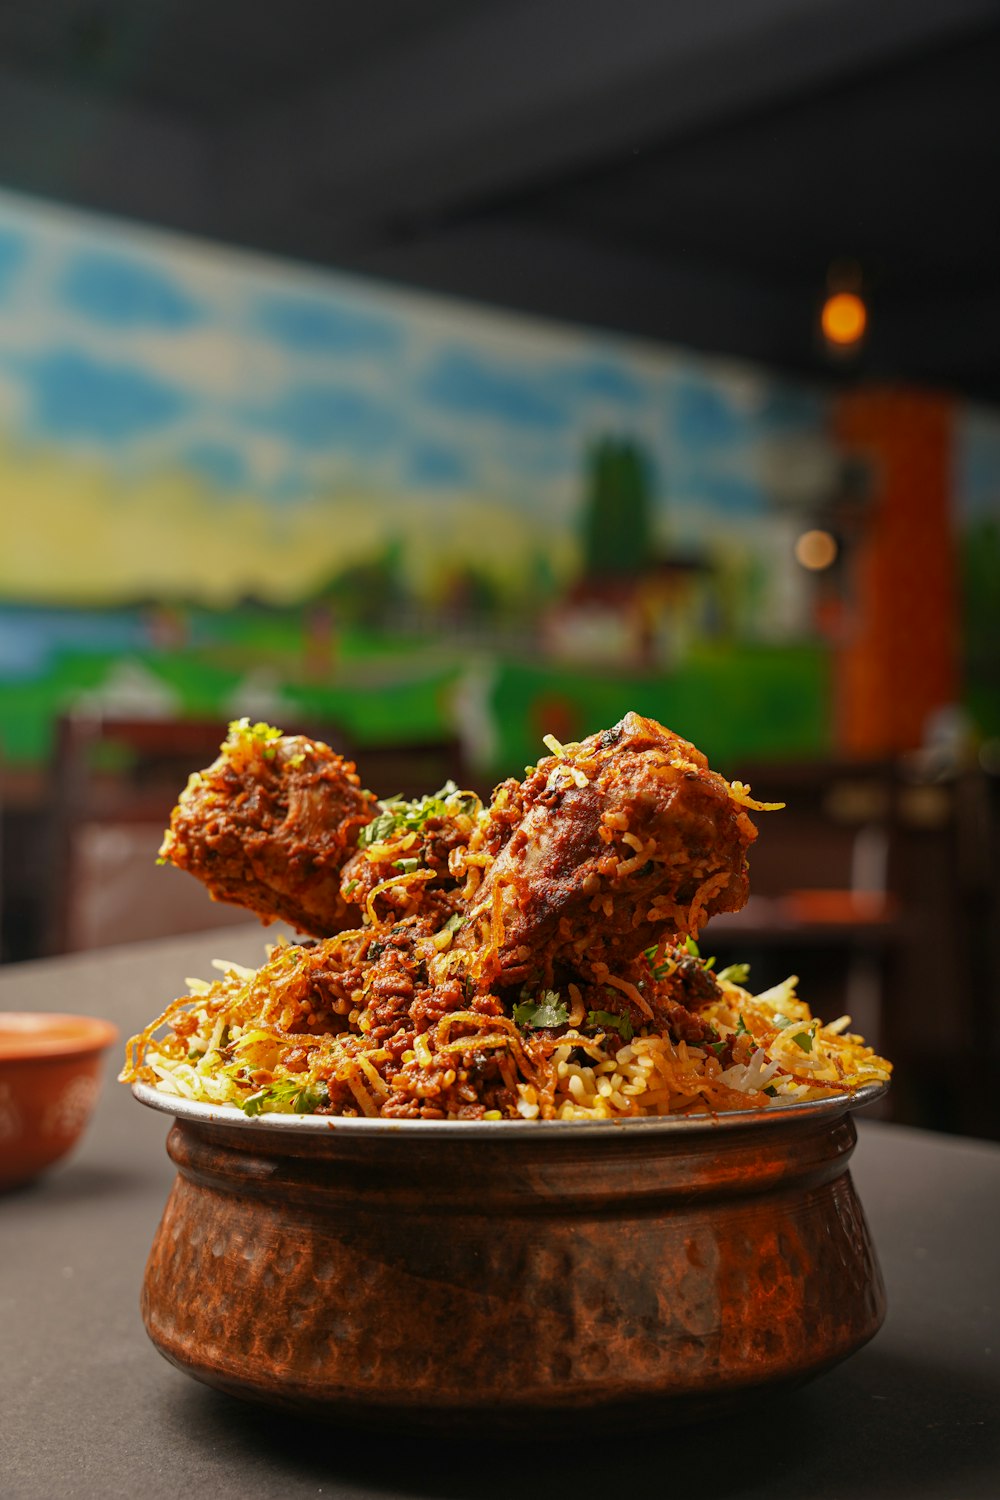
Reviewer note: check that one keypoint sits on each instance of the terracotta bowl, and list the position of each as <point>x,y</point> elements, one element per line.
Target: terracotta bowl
<point>510,1275</point>
<point>50,1077</point>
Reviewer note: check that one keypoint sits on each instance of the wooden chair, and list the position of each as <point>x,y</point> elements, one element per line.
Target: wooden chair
<point>823,903</point>
<point>113,783</point>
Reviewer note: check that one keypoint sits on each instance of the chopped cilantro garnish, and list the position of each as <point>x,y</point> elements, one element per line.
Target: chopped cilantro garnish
<point>741,1027</point>
<point>735,973</point>
<point>260,734</point>
<point>287,1095</point>
<point>547,1009</point>
<point>771,1090</point>
<point>668,964</point>
<point>379,829</point>
<point>658,971</point>
<point>693,951</point>
<point>804,1040</point>
<point>399,816</point>
<point>609,1020</point>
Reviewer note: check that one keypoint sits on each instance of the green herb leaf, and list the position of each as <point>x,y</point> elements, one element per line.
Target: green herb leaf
<point>309,1101</point>
<point>286,1095</point>
<point>260,735</point>
<point>379,829</point>
<point>661,970</point>
<point>608,1020</point>
<point>735,973</point>
<point>742,1028</point>
<point>804,1040</point>
<point>771,1090</point>
<point>399,816</point>
<point>406,865</point>
<point>545,1010</point>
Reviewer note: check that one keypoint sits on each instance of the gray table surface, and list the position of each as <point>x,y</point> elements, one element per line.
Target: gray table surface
<point>88,1408</point>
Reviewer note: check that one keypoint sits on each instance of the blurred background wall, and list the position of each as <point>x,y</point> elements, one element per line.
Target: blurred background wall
<point>243,487</point>
<point>441,376</point>
<point>236,486</point>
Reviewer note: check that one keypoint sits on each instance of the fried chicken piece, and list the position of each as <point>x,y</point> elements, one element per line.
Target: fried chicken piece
<point>269,826</point>
<point>609,847</point>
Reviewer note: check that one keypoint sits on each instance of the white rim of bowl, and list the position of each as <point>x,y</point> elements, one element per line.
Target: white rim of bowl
<point>232,1116</point>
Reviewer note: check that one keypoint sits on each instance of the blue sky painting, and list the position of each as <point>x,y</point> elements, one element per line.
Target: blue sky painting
<point>181,419</point>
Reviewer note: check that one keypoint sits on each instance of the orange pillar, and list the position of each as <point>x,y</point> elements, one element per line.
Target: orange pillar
<point>899,659</point>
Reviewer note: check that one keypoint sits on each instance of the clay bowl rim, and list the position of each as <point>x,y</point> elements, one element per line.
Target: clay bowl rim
<point>36,1035</point>
<point>231,1116</point>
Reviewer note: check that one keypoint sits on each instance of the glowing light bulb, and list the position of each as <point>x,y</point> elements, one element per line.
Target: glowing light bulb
<point>816,550</point>
<point>844,319</point>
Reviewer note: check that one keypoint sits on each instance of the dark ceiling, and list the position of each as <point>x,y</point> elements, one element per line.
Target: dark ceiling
<point>674,171</point>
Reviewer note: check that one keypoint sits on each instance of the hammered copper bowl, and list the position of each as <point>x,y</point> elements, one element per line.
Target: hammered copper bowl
<point>510,1274</point>
<point>50,1077</point>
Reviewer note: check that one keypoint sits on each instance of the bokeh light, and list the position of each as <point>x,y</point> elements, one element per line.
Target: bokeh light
<point>844,319</point>
<point>816,550</point>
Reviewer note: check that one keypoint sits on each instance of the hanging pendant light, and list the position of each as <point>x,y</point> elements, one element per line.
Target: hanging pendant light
<point>843,316</point>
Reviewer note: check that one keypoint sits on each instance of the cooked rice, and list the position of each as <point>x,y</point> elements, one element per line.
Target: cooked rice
<point>219,1045</point>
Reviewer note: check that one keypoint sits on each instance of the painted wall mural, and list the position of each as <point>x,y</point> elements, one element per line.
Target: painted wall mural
<point>235,485</point>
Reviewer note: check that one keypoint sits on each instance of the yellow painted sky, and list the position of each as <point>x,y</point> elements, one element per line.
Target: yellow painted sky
<point>72,533</point>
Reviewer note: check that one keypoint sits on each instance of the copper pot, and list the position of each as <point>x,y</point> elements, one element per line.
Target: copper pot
<point>504,1274</point>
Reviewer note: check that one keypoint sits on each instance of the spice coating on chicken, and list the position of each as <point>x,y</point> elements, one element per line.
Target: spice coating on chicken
<point>269,826</point>
<point>608,848</point>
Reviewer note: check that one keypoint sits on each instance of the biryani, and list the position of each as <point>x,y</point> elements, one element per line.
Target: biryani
<point>533,957</point>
